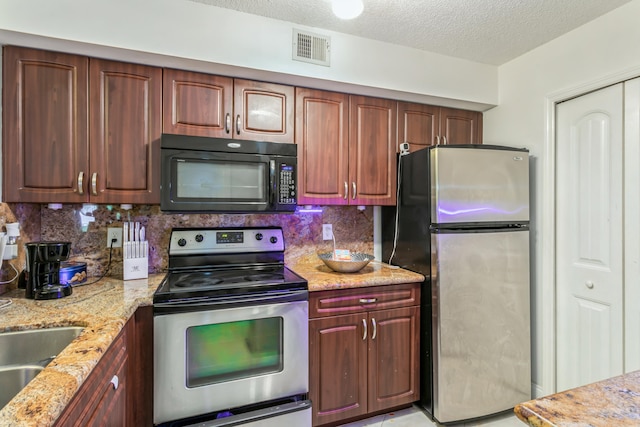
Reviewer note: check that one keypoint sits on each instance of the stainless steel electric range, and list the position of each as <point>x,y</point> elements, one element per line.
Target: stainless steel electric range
<point>230,332</point>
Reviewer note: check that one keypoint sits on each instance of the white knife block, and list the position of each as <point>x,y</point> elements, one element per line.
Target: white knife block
<point>135,268</point>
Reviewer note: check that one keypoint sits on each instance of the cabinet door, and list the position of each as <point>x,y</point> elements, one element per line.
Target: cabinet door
<point>322,135</point>
<point>125,127</point>
<point>45,136</point>
<point>418,124</point>
<point>394,364</point>
<point>372,151</point>
<point>263,111</point>
<point>338,367</point>
<point>197,104</point>
<point>460,126</point>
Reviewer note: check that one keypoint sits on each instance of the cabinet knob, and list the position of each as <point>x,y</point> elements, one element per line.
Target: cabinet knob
<point>81,183</point>
<point>375,328</point>
<point>589,284</point>
<point>115,382</point>
<point>364,326</point>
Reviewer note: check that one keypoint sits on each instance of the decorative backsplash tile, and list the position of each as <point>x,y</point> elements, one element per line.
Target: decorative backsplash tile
<point>85,226</point>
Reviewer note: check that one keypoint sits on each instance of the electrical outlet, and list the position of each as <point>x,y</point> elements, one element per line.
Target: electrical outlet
<point>114,233</point>
<point>327,232</point>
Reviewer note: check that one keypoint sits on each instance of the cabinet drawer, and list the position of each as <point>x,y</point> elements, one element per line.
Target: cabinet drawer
<point>343,301</point>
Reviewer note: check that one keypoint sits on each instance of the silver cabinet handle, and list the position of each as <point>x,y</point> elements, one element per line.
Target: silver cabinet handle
<point>437,139</point>
<point>81,183</point>
<point>115,381</point>
<point>346,190</point>
<point>353,195</point>
<point>238,124</point>
<point>364,325</point>
<point>589,284</point>
<point>375,328</point>
<point>368,300</point>
<point>227,123</point>
<point>94,184</point>
<point>444,140</point>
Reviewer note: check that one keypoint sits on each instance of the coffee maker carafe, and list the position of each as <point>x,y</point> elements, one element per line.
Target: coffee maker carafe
<point>43,270</point>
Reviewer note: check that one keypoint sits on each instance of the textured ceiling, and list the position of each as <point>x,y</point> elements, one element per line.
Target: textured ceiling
<point>486,31</point>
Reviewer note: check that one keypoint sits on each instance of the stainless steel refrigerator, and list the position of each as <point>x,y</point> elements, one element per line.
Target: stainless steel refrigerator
<point>462,220</point>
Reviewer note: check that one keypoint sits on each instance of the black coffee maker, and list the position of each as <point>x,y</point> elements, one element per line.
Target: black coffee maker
<point>42,278</point>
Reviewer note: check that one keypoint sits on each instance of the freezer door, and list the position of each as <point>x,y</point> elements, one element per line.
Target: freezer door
<point>479,184</point>
<point>481,330</point>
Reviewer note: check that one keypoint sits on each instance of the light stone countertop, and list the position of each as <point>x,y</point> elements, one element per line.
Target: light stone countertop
<point>612,402</point>
<point>103,309</point>
<point>322,278</point>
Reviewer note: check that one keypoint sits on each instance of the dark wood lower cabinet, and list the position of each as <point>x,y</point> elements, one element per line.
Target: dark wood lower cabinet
<point>119,390</point>
<point>363,351</point>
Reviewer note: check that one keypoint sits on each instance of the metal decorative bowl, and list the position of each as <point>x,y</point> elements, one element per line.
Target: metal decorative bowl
<point>358,262</point>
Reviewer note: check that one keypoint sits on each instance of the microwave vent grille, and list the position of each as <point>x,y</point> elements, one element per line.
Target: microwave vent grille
<point>311,47</point>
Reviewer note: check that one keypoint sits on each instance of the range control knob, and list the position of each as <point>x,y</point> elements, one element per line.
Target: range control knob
<point>259,236</point>
<point>199,238</point>
<point>182,242</point>
<point>273,239</point>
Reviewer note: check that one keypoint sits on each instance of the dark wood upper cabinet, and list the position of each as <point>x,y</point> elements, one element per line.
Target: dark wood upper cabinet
<point>346,148</point>
<point>372,151</point>
<point>322,135</point>
<point>125,129</point>
<point>45,125</point>
<point>424,125</point>
<point>80,130</point>
<point>215,106</point>
<point>460,126</point>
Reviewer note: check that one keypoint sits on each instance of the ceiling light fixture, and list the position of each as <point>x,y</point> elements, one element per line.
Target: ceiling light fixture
<point>347,9</point>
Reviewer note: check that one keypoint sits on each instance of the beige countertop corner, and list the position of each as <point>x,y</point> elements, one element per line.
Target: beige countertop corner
<point>612,402</point>
<point>102,309</point>
<point>322,278</point>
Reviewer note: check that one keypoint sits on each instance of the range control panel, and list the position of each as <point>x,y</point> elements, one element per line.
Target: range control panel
<point>193,241</point>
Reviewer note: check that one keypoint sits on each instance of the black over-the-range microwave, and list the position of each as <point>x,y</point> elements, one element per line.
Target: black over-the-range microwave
<point>200,174</point>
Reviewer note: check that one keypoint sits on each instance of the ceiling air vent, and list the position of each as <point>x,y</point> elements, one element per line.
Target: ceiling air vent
<point>310,47</point>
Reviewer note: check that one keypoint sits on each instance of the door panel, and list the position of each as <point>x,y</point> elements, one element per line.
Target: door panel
<point>589,238</point>
<point>632,226</point>
<point>45,133</point>
<point>126,126</point>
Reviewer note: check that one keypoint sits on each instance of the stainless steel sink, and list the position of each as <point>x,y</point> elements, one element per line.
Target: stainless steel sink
<point>35,346</point>
<point>23,354</point>
<point>15,378</point>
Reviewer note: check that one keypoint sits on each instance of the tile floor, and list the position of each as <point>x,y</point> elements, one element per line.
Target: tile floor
<point>414,417</point>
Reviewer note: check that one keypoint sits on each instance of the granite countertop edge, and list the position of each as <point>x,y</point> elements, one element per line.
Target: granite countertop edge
<point>103,309</point>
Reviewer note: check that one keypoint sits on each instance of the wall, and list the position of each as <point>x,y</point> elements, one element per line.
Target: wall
<point>185,34</point>
<point>601,52</point>
<point>85,226</point>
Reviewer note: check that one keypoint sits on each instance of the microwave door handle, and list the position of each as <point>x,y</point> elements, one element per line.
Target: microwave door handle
<point>272,182</point>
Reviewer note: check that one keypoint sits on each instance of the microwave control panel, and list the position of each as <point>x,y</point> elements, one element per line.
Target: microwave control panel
<point>287,194</point>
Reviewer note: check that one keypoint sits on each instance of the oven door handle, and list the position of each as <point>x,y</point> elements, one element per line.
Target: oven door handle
<point>194,304</point>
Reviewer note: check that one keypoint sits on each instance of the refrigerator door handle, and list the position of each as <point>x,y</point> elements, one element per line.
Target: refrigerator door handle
<point>364,333</point>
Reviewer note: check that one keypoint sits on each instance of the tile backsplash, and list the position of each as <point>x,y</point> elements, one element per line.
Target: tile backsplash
<point>85,226</point>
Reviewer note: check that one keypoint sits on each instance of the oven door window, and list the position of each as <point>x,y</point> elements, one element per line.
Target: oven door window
<point>222,180</point>
<point>223,352</point>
